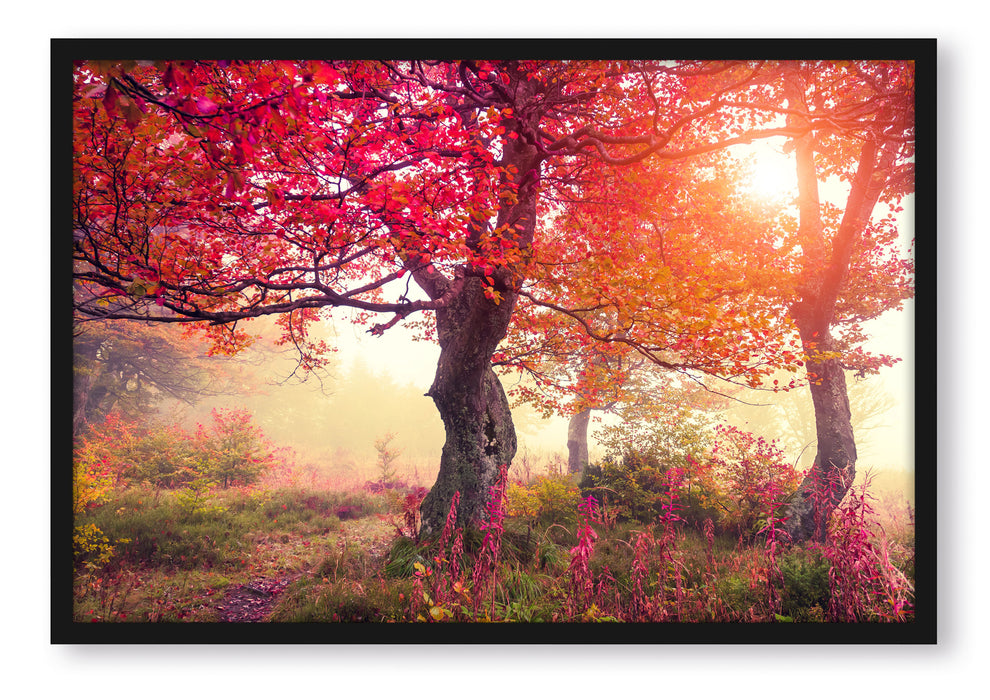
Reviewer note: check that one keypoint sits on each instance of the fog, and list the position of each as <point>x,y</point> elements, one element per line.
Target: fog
<point>375,386</point>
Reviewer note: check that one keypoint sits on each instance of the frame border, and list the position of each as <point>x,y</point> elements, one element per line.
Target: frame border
<point>922,631</point>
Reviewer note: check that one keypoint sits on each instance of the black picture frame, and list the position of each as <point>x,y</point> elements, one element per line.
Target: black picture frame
<point>921,631</point>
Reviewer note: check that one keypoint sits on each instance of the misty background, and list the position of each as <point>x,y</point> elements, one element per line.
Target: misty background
<point>375,387</point>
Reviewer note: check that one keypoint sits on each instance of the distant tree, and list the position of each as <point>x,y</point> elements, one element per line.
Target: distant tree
<point>131,368</point>
<point>387,454</point>
<point>574,383</point>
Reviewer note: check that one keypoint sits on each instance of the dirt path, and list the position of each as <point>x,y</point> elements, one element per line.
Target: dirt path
<point>252,602</point>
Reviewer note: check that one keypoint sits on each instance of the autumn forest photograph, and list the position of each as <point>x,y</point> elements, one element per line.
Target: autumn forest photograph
<point>396,337</point>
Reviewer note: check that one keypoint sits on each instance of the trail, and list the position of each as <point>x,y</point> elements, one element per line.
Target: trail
<point>252,602</point>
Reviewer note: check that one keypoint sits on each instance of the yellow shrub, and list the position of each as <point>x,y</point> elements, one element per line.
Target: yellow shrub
<point>552,498</point>
<point>89,544</point>
<point>91,484</point>
<point>521,502</point>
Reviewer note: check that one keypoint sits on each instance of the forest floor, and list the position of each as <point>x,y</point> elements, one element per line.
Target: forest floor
<point>252,602</point>
<point>305,555</point>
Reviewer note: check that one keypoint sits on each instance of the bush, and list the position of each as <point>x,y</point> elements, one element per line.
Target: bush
<point>164,457</point>
<point>234,451</point>
<point>231,451</point>
<point>107,448</point>
<point>198,501</point>
<point>552,498</point>
<point>92,483</point>
<point>638,485</point>
<point>698,504</point>
<point>753,477</point>
<point>92,547</point>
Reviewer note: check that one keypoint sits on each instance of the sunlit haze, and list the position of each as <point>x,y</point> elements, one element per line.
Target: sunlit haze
<point>773,172</point>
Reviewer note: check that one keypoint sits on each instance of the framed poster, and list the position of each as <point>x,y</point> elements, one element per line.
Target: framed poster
<point>388,341</point>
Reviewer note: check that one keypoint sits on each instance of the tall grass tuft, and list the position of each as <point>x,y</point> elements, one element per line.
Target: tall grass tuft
<point>864,584</point>
<point>487,561</point>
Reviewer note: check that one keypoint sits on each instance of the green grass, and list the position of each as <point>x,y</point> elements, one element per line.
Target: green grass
<point>174,556</point>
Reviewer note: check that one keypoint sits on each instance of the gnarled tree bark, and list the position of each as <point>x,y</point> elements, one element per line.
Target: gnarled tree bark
<point>480,437</point>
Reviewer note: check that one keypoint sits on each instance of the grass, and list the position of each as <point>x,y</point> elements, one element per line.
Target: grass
<point>173,560</point>
<point>172,557</point>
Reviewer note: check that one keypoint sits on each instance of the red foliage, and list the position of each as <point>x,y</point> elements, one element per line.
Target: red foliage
<point>257,187</point>
<point>581,580</point>
<point>755,476</point>
<point>865,585</point>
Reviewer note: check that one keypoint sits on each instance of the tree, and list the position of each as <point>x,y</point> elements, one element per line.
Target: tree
<point>848,273</point>
<point>553,373</point>
<point>668,297</point>
<point>132,368</point>
<point>233,450</point>
<point>789,416</point>
<point>215,192</point>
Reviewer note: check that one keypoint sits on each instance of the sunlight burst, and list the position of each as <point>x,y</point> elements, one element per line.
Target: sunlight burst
<point>772,171</point>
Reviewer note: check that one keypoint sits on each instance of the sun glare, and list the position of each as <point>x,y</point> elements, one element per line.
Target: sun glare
<point>772,172</point>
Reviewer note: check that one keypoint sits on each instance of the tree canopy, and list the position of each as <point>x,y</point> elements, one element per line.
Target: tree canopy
<point>218,191</point>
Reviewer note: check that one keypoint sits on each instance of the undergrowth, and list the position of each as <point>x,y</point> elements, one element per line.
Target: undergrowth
<point>147,554</point>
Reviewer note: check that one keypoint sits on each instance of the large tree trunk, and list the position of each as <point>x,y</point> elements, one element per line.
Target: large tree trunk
<point>473,406</point>
<point>475,412</point>
<point>577,441</point>
<point>835,464</point>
